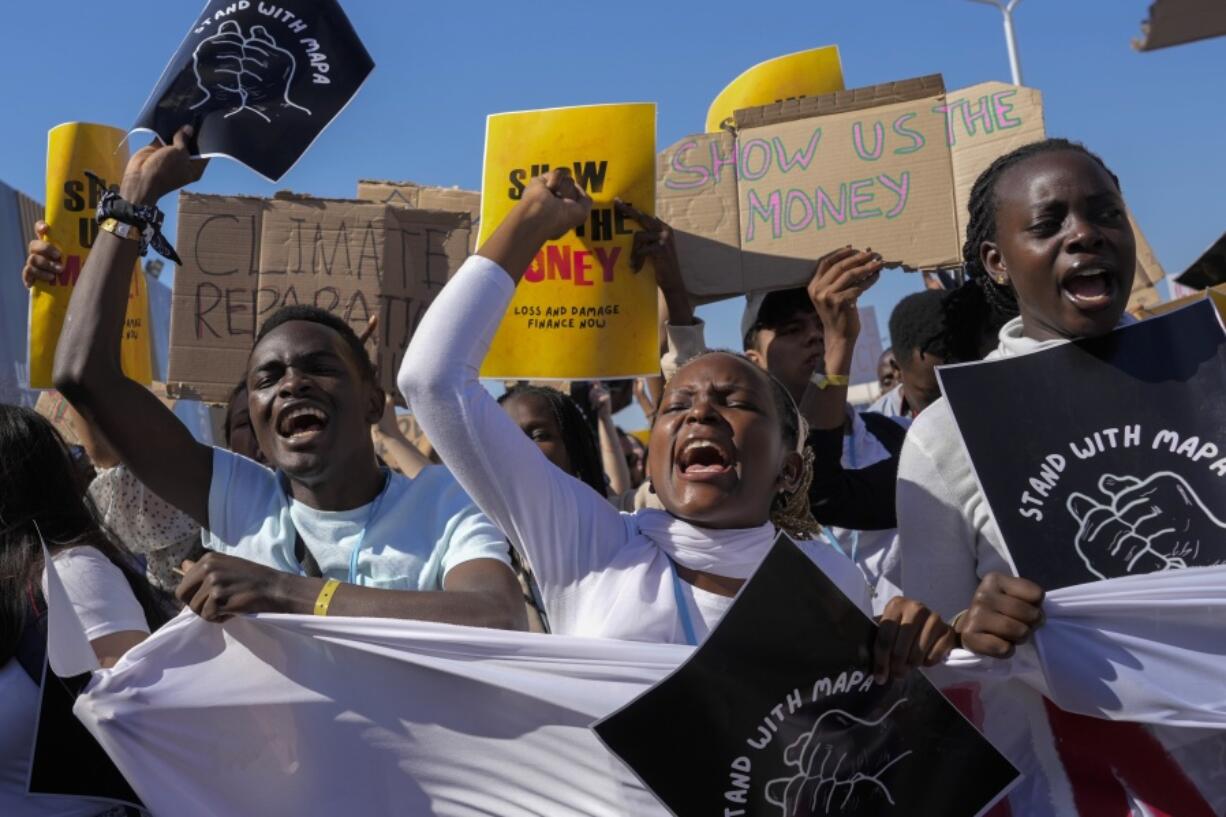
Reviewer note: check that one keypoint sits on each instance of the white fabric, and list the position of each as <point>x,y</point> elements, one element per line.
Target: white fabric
<point>423,527</point>
<point>104,604</point>
<point>311,716</point>
<point>889,404</point>
<point>599,572</point>
<point>734,553</point>
<point>948,542</point>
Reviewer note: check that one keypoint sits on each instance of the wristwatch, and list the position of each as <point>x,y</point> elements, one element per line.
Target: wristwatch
<point>824,381</point>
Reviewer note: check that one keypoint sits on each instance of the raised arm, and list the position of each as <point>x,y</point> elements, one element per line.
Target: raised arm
<point>146,435</point>
<point>563,527</point>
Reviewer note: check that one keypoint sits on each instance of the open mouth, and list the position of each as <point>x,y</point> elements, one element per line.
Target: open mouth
<point>704,459</point>
<point>1090,289</point>
<point>301,423</point>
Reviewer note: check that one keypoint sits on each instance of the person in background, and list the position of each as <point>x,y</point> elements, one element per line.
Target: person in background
<point>725,462</point>
<point>612,455</point>
<point>920,341</point>
<point>887,371</point>
<point>635,454</point>
<point>1050,250</point>
<point>402,548</point>
<point>398,450</point>
<point>43,504</point>
<point>236,428</point>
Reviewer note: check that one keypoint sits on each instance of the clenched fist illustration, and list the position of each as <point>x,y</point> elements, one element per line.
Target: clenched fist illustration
<point>841,768</point>
<point>1145,525</point>
<point>249,73</point>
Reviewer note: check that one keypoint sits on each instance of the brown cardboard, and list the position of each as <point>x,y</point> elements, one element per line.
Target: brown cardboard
<point>411,194</point>
<point>244,258</point>
<point>894,194</point>
<point>986,121</point>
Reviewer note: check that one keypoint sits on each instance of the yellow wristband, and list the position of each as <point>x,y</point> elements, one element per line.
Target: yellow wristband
<point>823,381</point>
<point>120,229</point>
<point>325,597</point>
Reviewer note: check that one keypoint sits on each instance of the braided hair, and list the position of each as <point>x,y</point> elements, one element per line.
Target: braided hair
<point>577,436</point>
<point>976,311</point>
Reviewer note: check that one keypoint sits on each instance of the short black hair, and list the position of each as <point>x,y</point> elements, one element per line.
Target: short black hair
<point>778,307</point>
<point>577,435</point>
<point>918,324</point>
<point>313,314</point>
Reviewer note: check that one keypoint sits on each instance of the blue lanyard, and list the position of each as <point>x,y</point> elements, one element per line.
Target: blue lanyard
<point>683,609</point>
<point>374,512</point>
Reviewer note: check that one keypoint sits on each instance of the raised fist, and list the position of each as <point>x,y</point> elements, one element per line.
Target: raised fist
<point>250,73</point>
<point>1141,526</point>
<point>842,767</point>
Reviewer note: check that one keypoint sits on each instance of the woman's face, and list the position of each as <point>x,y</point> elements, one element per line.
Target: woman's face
<point>717,457</point>
<point>532,414</point>
<point>1064,242</point>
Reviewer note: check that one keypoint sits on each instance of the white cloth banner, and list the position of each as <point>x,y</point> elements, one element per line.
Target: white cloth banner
<point>324,716</point>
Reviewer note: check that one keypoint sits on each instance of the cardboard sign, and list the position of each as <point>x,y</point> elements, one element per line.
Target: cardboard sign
<point>244,258</point>
<point>72,199</point>
<point>868,167</point>
<point>259,81</point>
<point>806,73</point>
<point>1118,466</point>
<point>580,310</point>
<point>411,194</point>
<point>777,714</point>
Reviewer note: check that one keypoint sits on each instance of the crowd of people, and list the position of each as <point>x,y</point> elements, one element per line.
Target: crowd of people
<point>536,511</point>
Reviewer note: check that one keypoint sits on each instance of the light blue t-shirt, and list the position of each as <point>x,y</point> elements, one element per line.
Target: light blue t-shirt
<point>423,527</point>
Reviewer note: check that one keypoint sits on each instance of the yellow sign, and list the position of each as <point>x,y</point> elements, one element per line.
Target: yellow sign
<point>73,148</point>
<point>580,311</point>
<point>805,73</point>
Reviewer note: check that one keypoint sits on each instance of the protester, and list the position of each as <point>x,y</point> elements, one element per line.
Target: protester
<point>612,456</point>
<point>398,450</point>
<point>920,343</point>
<point>724,459</point>
<point>1048,245</point>
<point>42,503</point>
<point>329,508</point>
<point>887,371</point>
<point>236,429</point>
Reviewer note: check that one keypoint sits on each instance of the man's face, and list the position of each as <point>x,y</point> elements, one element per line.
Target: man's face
<point>919,379</point>
<point>792,350</point>
<point>311,407</point>
<point>887,371</point>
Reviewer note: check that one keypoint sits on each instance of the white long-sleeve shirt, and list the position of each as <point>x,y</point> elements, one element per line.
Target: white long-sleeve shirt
<point>948,542</point>
<point>599,574</point>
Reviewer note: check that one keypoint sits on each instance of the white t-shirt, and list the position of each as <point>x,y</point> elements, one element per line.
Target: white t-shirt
<point>104,602</point>
<point>600,574</point>
<point>421,527</point>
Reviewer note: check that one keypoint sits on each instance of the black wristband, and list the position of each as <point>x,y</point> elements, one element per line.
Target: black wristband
<point>146,217</point>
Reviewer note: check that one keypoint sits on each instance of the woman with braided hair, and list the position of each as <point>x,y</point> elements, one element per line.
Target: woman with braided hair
<point>724,460</point>
<point>1050,257</point>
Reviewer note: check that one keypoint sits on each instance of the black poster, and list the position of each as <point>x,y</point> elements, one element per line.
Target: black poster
<point>259,81</point>
<point>1105,457</point>
<point>777,714</point>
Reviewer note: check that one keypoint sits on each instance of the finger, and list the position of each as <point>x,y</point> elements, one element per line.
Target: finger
<point>31,275</point>
<point>883,646</point>
<point>829,259</point>
<point>851,271</point>
<point>43,247</point>
<point>941,648</point>
<point>905,653</point>
<point>371,326</point>
<point>1015,609</point>
<point>41,228</point>
<point>1111,485</point>
<point>183,137</point>
<point>1080,506</point>
<point>989,645</point>
<point>987,622</point>
<point>1023,589</point>
<point>636,215</point>
<point>196,169</point>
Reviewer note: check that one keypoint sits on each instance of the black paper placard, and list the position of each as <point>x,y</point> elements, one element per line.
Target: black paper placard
<point>259,81</point>
<point>777,714</point>
<point>1104,457</point>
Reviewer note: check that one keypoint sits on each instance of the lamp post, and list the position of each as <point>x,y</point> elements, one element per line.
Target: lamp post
<point>1006,10</point>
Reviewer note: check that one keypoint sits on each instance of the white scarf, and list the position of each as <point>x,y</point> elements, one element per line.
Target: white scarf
<point>732,552</point>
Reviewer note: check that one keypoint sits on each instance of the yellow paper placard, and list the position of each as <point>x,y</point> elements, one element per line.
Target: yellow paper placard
<point>580,312</point>
<point>805,73</point>
<point>72,197</point>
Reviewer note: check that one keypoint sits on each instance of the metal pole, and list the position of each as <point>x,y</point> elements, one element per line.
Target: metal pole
<point>1006,11</point>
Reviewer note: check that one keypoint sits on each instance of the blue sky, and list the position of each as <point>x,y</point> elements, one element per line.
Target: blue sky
<point>1156,118</point>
